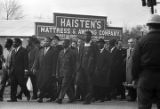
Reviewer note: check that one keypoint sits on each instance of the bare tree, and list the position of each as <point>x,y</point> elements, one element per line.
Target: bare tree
<point>11,9</point>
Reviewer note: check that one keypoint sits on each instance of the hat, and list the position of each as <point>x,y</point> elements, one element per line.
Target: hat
<point>112,42</point>
<point>56,37</point>
<point>155,19</point>
<point>88,33</point>
<point>101,41</point>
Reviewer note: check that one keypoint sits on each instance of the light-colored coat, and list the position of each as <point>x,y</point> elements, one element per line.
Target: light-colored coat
<point>129,65</point>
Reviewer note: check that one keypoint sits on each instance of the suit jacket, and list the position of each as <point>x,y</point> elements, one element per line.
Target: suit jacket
<point>19,62</point>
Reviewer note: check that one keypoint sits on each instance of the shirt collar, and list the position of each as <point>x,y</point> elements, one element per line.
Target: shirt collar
<point>87,44</point>
<point>101,50</point>
<point>18,48</point>
<point>112,49</point>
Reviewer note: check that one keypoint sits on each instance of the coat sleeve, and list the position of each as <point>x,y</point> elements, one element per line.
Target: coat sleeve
<point>36,61</point>
<point>26,60</point>
<point>73,63</point>
<point>92,60</point>
<point>58,65</point>
<point>54,62</point>
<point>107,64</point>
<point>136,68</point>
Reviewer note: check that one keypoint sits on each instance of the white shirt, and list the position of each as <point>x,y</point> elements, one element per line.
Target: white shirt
<point>87,44</point>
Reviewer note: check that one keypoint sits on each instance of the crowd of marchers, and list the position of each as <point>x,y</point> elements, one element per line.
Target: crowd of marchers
<point>83,69</point>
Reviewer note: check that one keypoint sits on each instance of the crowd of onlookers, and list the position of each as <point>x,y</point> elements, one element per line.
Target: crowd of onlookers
<point>82,69</point>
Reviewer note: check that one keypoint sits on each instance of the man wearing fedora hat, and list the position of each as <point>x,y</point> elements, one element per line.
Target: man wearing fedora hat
<point>101,74</point>
<point>146,65</point>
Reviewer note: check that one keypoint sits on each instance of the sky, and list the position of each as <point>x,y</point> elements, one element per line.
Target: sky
<point>120,13</point>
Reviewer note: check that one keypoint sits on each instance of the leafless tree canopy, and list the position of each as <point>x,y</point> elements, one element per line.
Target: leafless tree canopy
<point>10,9</point>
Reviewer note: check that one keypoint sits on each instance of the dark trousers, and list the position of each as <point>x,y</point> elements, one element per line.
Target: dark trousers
<point>5,78</point>
<point>89,89</point>
<point>102,93</point>
<point>145,98</point>
<point>99,92</point>
<point>80,92</point>
<point>15,81</point>
<point>148,90</point>
<point>34,85</point>
<point>132,93</point>
<point>66,88</point>
<point>121,91</point>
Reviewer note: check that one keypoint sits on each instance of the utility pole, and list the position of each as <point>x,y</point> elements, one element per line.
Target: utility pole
<point>150,3</point>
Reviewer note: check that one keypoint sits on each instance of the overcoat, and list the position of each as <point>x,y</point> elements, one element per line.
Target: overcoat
<point>115,63</point>
<point>45,64</point>
<point>129,65</point>
<point>66,66</point>
<point>102,70</point>
<point>86,69</point>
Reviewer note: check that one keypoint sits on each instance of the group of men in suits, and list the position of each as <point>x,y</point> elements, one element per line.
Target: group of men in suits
<point>14,68</point>
<point>83,69</point>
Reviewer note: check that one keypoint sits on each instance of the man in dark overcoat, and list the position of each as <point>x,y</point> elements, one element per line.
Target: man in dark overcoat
<point>18,68</point>
<point>66,66</point>
<point>115,62</point>
<point>102,72</point>
<point>121,70</point>
<point>146,66</point>
<point>45,68</point>
<point>88,53</point>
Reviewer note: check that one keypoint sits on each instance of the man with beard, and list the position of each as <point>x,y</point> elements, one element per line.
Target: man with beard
<point>18,68</point>
<point>45,69</point>
<point>66,72</point>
